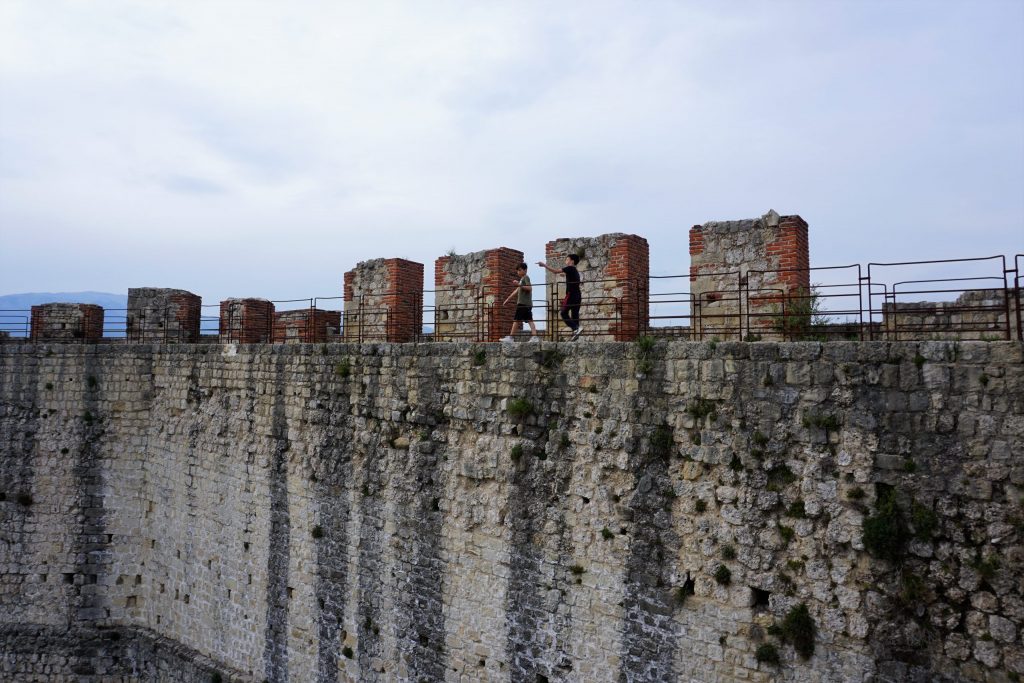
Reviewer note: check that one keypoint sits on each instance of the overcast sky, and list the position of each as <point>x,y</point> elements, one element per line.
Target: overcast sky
<point>263,148</point>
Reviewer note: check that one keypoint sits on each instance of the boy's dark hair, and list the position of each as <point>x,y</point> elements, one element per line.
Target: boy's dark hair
<point>522,266</point>
<point>575,259</point>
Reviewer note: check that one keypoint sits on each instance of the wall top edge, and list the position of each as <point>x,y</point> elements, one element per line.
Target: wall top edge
<point>840,351</point>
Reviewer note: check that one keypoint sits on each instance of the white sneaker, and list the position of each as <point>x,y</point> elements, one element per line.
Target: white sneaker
<point>535,338</point>
<point>576,333</point>
<point>508,340</point>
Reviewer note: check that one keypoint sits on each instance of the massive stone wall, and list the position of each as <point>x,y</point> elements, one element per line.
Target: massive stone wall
<point>465,512</point>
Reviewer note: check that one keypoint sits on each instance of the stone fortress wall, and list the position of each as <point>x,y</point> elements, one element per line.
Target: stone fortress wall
<point>467,512</point>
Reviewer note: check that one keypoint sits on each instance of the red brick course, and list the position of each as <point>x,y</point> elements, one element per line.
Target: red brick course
<point>66,322</point>
<point>399,307</point>
<point>306,326</point>
<point>246,321</point>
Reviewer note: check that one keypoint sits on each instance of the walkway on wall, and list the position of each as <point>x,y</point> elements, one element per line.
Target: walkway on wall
<point>967,298</point>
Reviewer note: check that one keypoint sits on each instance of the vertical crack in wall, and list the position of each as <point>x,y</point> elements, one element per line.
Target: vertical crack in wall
<point>420,620</point>
<point>92,551</point>
<point>537,619</point>
<point>331,493</point>
<point>369,578</point>
<point>275,653</point>
<point>373,468</point>
<point>649,629</point>
<point>17,468</point>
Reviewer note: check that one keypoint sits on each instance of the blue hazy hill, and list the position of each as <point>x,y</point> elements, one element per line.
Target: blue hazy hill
<point>25,301</point>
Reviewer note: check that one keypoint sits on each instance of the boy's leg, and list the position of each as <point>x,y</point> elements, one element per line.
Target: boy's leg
<point>564,313</point>
<point>571,315</point>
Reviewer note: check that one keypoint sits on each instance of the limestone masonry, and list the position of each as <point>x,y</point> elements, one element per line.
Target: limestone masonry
<point>638,511</point>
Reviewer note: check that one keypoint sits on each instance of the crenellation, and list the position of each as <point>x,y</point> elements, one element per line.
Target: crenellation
<point>763,261</point>
<point>67,322</point>
<point>163,315</point>
<point>383,301</point>
<point>614,269</point>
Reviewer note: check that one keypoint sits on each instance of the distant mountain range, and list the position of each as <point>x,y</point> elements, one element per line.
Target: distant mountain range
<point>25,301</point>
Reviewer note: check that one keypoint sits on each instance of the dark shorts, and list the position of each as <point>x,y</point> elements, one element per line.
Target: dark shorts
<point>523,312</point>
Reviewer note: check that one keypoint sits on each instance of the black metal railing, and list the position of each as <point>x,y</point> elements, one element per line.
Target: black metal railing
<point>965,298</point>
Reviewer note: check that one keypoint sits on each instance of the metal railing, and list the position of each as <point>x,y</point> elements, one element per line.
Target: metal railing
<point>965,298</point>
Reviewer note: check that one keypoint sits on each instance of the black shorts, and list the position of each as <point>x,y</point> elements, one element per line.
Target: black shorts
<point>523,313</point>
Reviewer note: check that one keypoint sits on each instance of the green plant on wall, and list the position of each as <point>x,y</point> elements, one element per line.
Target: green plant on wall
<point>797,629</point>
<point>799,317</point>
<point>885,534</point>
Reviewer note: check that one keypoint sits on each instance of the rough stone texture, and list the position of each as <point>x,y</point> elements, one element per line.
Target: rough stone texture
<point>67,322</point>
<point>469,291</point>
<point>384,301</point>
<point>306,325</point>
<point>163,315</point>
<point>767,258</point>
<point>59,655</point>
<point>614,269</point>
<point>383,512</point>
<point>976,314</point>
<point>246,321</point>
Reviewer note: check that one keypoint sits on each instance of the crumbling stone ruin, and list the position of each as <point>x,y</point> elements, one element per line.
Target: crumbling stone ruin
<point>163,315</point>
<point>766,257</point>
<point>306,326</point>
<point>246,321</point>
<point>67,322</point>
<point>469,290</point>
<point>614,269</point>
<point>384,301</point>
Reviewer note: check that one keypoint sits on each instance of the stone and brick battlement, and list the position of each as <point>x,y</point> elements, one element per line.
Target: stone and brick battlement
<point>748,279</point>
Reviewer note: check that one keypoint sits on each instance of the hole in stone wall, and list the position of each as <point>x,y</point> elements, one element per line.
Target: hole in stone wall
<point>69,578</point>
<point>541,678</point>
<point>759,598</point>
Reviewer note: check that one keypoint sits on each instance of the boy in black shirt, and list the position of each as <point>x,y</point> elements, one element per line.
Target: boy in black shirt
<point>573,296</point>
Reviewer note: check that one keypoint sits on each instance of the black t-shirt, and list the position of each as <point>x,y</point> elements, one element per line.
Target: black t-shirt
<point>572,282</point>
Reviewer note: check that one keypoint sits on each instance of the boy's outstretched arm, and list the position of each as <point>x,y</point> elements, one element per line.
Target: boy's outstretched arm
<point>547,267</point>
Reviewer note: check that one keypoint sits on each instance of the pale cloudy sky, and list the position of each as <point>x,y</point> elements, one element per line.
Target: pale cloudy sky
<point>262,148</point>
